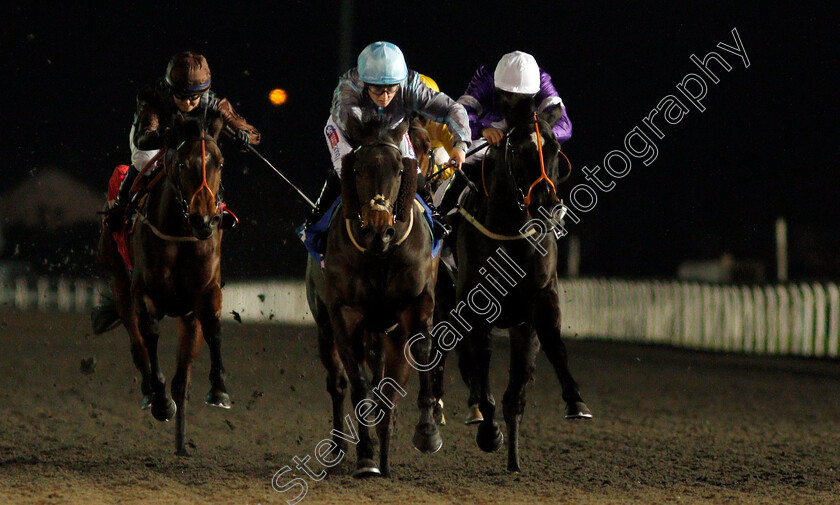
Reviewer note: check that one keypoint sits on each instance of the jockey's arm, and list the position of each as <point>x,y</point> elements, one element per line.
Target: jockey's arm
<point>439,107</point>
<point>347,98</point>
<point>147,134</point>
<point>478,98</point>
<point>235,121</point>
<point>546,100</point>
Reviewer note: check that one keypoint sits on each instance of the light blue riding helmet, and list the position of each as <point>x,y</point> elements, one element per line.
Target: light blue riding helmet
<point>382,63</point>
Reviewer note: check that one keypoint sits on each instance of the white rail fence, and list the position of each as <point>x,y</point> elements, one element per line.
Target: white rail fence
<point>795,319</point>
<point>790,319</point>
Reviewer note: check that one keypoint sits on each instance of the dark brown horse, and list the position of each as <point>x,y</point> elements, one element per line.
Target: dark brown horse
<point>175,248</point>
<point>374,296</point>
<point>505,280</point>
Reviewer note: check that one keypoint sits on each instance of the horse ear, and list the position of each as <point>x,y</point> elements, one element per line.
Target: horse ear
<point>408,188</point>
<point>399,131</point>
<point>349,195</point>
<point>215,128</point>
<point>551,117</point>
<point>354,130</point>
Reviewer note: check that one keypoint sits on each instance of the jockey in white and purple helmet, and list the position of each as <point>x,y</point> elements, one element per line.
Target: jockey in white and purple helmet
<point>516,73</point>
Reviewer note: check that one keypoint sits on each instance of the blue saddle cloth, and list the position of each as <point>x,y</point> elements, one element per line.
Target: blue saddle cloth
<point>314,238</point>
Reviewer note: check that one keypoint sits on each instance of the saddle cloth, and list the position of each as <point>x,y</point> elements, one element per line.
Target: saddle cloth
<point>314,238</point>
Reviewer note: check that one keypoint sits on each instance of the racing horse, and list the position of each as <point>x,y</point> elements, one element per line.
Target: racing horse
<point>507,275</point>
<point>374,297</point>
<point>175,253</point>
<point>430,181</point>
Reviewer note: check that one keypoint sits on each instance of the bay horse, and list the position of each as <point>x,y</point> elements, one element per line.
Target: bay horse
<point>499,269</point>
<point>175,249</point>
<point>373,300</point>
<point>445,285</point>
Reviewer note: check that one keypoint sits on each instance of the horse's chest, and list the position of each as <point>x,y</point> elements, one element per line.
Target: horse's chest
<point>383,290</point>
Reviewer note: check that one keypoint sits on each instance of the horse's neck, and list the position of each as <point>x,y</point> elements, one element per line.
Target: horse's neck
<point>163,208</point>
<point>502,204</point>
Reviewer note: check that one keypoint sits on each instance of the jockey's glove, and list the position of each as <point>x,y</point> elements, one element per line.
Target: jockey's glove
<point>242,140</point>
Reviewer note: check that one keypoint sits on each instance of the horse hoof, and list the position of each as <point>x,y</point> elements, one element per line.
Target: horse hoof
<point>440,419</point>
<point>366,468</point>
<point>182,452</point>
<point>426,438</point>
<point>146,403</point>
<point>577,410</point>
<point>474,415</point>
<point>164,411</point>
<point>218,399</point>
<point>489,440</point>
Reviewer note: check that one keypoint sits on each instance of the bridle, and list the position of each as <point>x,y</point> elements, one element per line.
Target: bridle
<point>175,180</point>
<point>523,199</point>
<point>379,202</point>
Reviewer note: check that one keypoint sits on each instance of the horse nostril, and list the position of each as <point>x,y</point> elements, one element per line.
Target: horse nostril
<point>389,233</point>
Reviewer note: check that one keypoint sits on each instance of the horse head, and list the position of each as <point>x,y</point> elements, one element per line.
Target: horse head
<point>378,184</point>
<point>531,152</point>
<point>194,169</point>
<point>422,144</point>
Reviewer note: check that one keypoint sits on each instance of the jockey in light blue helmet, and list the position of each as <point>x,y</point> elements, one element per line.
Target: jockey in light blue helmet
<point>382,88</point>
<point>382,63</point>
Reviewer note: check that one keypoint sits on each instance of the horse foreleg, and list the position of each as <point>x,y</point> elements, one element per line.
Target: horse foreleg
<point>523,356</point>
<point>347,325</point>
<point>211,327</point>
<point>465,368</point>
<point>163,408</point>
<point>387,392</point>
<point>546,316</point>
<point>438,380</point>
<point>444,302</point>
<point>189,346</point>
<point>414,324</point>
<point>336,386</point>
<point>139,353</point>
<point>488,437</point>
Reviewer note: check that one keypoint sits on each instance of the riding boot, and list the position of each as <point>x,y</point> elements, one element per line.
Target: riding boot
<point>330,191</point>
<point>115,217</point>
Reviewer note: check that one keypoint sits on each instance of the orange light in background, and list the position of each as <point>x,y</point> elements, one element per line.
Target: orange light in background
<point>277,96</point>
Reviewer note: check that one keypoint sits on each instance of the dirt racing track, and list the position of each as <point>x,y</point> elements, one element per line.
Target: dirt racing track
<point>670,426</point>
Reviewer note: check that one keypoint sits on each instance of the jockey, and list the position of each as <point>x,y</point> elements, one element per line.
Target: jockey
<point>439,135</point>
<point>184,91</point>
<point>516,75</point>
<point>382,87</point>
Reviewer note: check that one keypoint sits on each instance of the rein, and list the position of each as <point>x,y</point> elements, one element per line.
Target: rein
<point>204,139</point>
<point>542,165</point>
<point>524,199</point>
<point>170,238</point>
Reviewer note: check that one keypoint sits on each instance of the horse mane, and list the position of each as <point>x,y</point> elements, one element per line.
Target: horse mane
<point>183,129</point>
<point>408,187</point>
<point>517,109</point>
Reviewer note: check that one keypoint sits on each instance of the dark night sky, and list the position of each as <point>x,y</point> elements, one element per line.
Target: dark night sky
<point>766,145</point>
